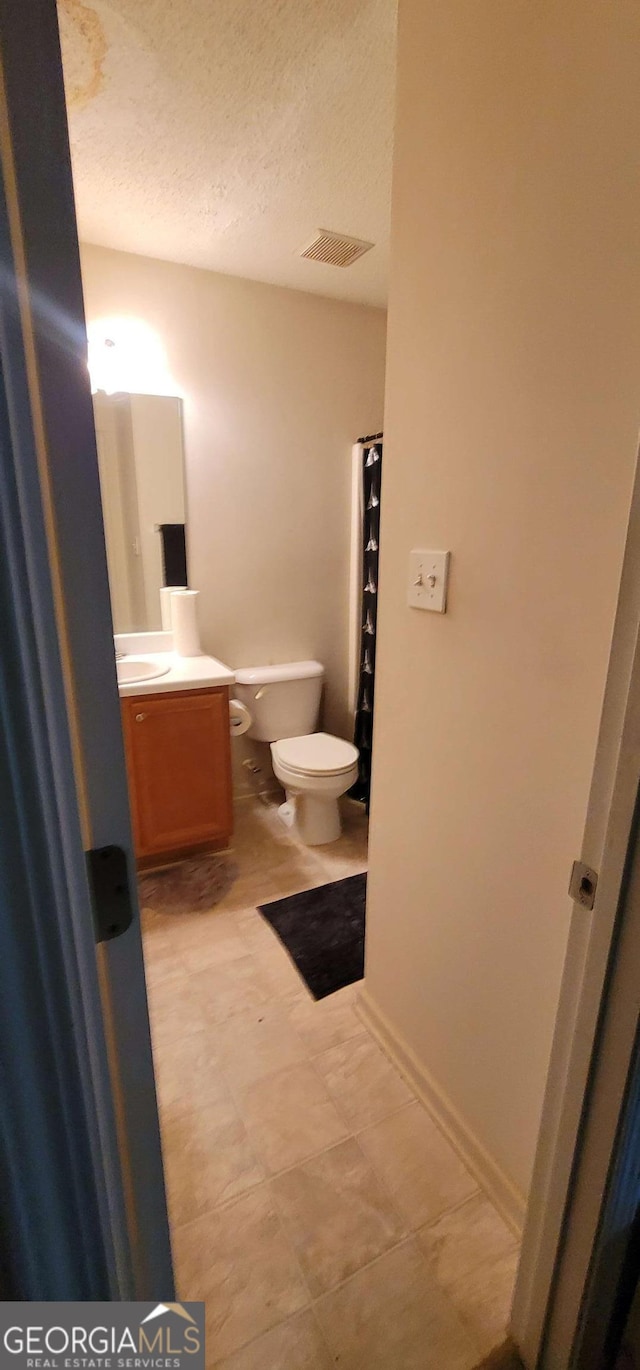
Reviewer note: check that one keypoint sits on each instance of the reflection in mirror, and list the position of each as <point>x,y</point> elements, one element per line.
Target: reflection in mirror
<point>141,462</point>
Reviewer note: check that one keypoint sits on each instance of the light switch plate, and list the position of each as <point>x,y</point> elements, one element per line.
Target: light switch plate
<point>428,577</point>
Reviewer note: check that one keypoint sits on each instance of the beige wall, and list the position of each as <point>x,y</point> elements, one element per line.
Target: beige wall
<point>277,384</point>
<point>512,415</point>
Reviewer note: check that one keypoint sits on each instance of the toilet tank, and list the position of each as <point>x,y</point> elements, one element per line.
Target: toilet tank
<point>284,701</point>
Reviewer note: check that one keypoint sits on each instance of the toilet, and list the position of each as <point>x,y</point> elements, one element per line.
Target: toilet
<point>314,768</point>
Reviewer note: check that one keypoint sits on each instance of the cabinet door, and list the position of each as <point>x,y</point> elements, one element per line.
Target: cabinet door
<point>179,764</point>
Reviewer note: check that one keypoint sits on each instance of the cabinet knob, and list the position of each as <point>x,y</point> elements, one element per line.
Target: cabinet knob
<point>140,717</point>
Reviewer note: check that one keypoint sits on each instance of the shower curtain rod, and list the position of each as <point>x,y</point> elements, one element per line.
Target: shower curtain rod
<point>369,441</point>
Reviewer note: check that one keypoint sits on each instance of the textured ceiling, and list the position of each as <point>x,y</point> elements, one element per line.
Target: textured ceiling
<point>224,133</point>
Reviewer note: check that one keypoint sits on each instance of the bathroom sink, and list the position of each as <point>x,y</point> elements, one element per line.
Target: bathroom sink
<point>132,669</point>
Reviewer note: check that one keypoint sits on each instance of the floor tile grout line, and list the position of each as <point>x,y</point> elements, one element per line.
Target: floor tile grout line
<point>396,1246</point>
<point>314,1157</point>
<point>411,1231</point>
<point>336,1102</point>
<point>477,1193</point>
<point>290,1243</point>
<point>321,1333</point>
<point>314,1299</point>
<point>393,1113</point>
<point>409,1237</point>
<point>385,1187</point>
<point>310,1061</point>
<point>281,1001</point>
<point>248,1188</point>
<point>463,1316</point>
<point>267,1181</point>
<point>291,1317</point>
<point>275,1174</point>
<point>269,1177</point>
<point>352,1132</point>
<point>288,1004</point>
<point>248,1015</point>
<point>313,1055</point>
<point>309,1055</point>
<point>474,1193</point>
<point>405,1233</point>
<point>215,1208</point>
<point>366,1035</point>
<point>408,1231</point>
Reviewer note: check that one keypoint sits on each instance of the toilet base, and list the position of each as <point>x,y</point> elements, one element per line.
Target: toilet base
<point>317,820</point>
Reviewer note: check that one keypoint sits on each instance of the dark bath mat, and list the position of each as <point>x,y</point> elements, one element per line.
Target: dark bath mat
<point>323,932</point>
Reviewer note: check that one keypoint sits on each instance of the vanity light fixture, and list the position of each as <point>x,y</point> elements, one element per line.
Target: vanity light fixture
<point>127,356</point>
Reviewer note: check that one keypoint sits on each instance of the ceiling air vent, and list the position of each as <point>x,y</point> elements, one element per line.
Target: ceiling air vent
<point>334,248</point>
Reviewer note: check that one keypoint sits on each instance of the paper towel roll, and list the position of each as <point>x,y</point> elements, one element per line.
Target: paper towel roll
<point>239,718</point>
<point>184,622</point>
<point>165,605</point>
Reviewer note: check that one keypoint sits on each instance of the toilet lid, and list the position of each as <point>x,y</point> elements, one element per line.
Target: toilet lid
<point>316,754</point>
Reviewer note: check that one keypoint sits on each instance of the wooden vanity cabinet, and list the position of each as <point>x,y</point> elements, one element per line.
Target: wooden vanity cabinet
<point>179,768</point>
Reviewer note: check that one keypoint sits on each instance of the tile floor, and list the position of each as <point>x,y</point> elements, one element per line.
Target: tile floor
<point>314,1205</point>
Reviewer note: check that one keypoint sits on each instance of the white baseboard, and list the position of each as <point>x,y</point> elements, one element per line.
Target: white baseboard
<point>491,1178</point>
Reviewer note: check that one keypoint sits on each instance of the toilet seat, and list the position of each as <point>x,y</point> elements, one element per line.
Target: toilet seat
<point>316,754</point>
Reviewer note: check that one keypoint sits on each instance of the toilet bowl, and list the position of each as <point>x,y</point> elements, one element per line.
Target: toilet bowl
<point>315,770</point>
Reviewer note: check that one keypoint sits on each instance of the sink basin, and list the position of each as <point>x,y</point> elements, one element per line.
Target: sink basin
<point>132,669</point>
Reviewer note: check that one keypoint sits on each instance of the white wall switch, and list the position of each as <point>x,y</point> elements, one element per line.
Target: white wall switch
<point>428,577</point>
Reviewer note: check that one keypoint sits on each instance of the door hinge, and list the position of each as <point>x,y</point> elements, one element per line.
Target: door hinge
<point>583,884</point>
<point>110,893</point>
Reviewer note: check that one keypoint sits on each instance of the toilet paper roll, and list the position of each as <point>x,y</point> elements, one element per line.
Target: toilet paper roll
<point>184,622</point>
<point>239,718</point>
<point>165,605</point>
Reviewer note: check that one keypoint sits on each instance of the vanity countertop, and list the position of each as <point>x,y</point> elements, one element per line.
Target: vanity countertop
<point>184,673</point>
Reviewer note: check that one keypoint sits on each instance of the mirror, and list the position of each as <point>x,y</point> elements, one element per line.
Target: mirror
<point>141,463</point>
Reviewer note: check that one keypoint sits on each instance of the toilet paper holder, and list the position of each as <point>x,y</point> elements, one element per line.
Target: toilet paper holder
<point>239,718</point>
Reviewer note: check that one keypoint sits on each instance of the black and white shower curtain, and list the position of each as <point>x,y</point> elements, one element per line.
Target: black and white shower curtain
<point>371,481</point>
